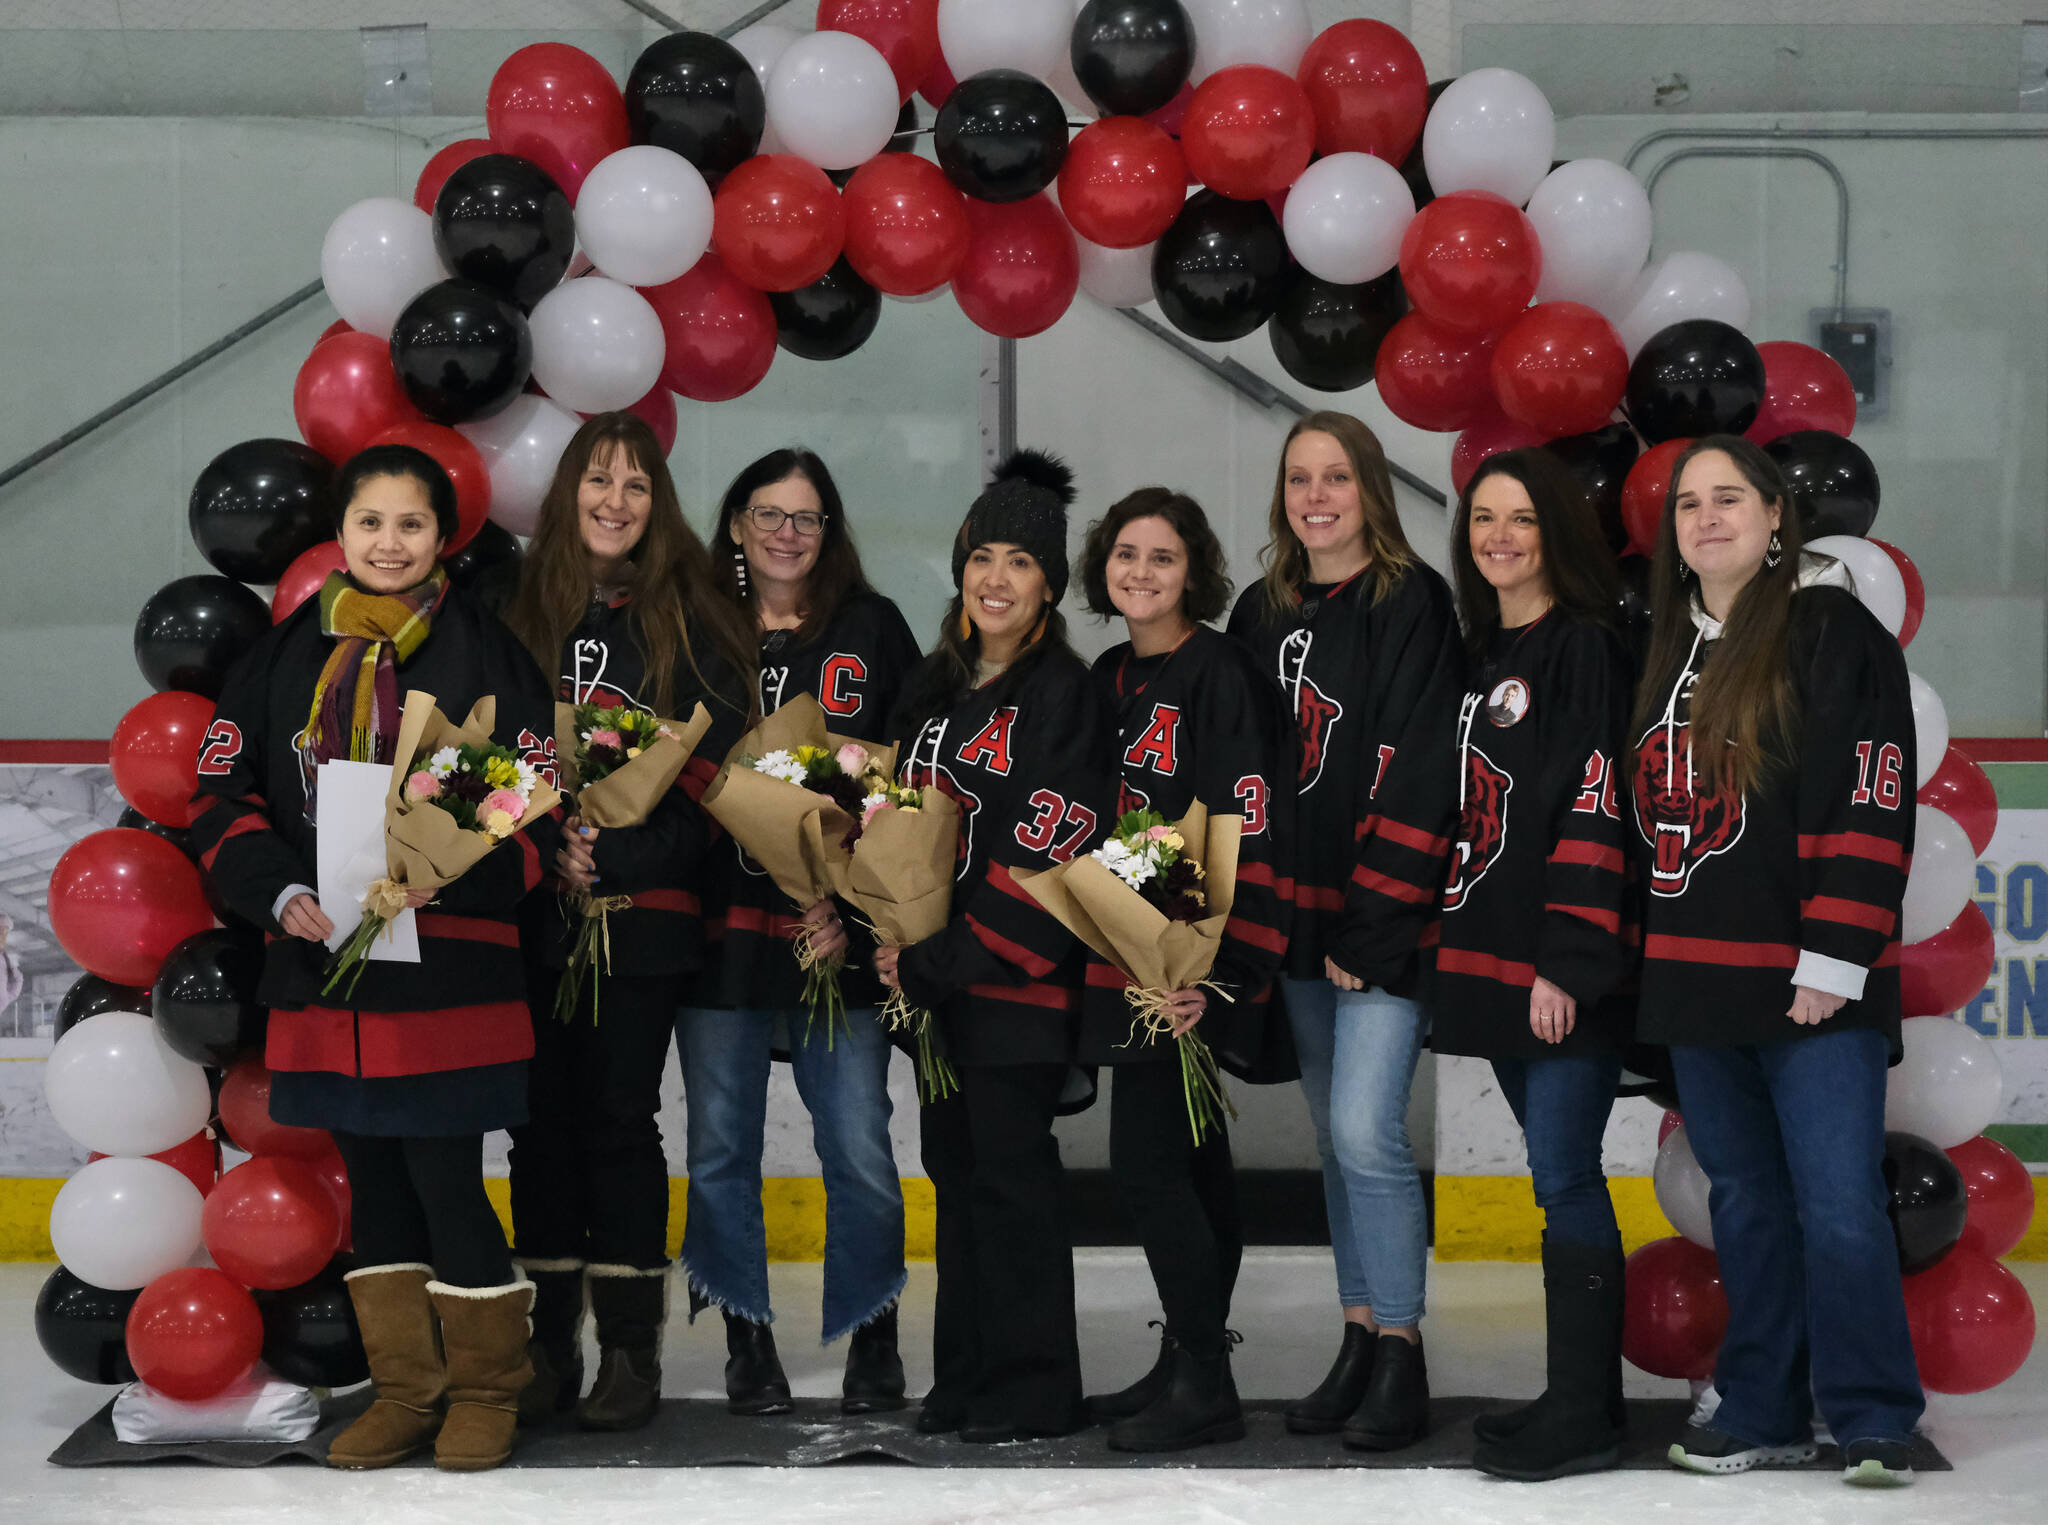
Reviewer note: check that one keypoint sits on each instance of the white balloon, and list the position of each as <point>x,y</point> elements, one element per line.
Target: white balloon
<point>1683,285</point>
<point>114,1085</point>
<point>1681,1187</point>
<point>1592,221</point>
<point>1942,878</point>
<point>761,44</point>
<point>644,215</point>
<point>1491,130</point>
<point>122,1223</point>
<point>596,345</point>
<point>1116,277</point>
<point>521,447</point>
<point>1930,732</point>
<point>1345,216</point>
<point>1875,574</point>
<point>832,98</point>
<point>1271,32</point>
<point>1948,1085</point>
<point>1031,35</point>
<point>377,256</point>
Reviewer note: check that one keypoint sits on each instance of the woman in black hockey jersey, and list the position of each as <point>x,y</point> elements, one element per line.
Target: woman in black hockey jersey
<point>786,561</point>
<point>1772,788</point>
<point>615,597</point>
<point>1364,641</point>
<point>423,1059</point>
<point>1196,720</point>
<point>1531,953</point>
<point>1004,718</point>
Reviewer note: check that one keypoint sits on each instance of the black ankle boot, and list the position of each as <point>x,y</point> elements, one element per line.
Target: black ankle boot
<point>630,1306</point>
<point>1103,1407</point>
<point>1571,1428</point>
<point>754,1383</point>
<point>1395,1410</point>
<point>556,1346</point>
<point>1196,1406</point>
<point>1324,1411</point>
<point>874,1368</point>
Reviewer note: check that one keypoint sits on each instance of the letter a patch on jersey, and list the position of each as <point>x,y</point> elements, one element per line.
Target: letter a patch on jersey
<point>1158,747</point>
<point>990,746</point>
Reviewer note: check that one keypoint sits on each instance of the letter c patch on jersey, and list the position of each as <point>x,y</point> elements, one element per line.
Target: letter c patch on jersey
<point>839,683</point>
<point>990,746</point>
<point>1158,746</point>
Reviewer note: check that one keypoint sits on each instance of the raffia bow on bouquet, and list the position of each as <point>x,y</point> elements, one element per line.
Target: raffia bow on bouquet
<point>452,798</point>
<point>618,763</point>
<point>1162,936</point>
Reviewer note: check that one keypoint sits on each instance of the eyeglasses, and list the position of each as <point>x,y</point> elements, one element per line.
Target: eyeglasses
<point>768,519</point>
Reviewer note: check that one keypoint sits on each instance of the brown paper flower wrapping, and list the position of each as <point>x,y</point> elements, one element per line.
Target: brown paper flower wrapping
<point>628,794</point>
<point>900,873</point>
<point>424,846</point>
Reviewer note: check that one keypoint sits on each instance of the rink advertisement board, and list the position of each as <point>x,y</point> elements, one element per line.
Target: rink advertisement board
<point>2011,1011</point>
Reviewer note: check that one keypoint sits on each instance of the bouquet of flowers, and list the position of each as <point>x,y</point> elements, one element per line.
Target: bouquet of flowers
<point>454,796</point>
<point>619,763</point>
<point>1153,901</point>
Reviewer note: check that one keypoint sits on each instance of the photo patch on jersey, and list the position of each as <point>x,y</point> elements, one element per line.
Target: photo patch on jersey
<point>1682,827</point>
<point>1508,702</point>
<point>1482,826</point>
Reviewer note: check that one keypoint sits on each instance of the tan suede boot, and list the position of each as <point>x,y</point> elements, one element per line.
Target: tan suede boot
<point>484,1331</point>
<point>397,1323</point>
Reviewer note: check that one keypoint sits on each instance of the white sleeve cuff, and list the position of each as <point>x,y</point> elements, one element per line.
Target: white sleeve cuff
<point>1836,976</point>
<point>284,898</point>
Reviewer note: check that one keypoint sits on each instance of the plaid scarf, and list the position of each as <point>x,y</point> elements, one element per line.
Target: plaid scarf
<point>355,704</point>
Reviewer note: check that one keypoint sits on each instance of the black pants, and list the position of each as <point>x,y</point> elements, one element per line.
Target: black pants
<point>1182,1200</point>
<point>422,1199</point>
<point>1004,1348</point>
<point>589,1180</point>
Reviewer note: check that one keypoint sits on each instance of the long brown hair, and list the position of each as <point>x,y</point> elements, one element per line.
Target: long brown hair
<point>1386,544</point>
<point>835,576</point>
<point>1578,563</point>
<point>667,576</point>
<point>1744,708</point>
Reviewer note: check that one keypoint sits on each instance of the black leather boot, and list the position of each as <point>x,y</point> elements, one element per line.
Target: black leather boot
<point>556,1346</point>
<point>1197,1406</point>
<point>1103,1407</point>
<point>1324,1411</point>
<point>874,1368</point>
<point>630,1305</point>
<point>1571,1428</point>
<point>1395,1410</point>
<point>754,1382</point>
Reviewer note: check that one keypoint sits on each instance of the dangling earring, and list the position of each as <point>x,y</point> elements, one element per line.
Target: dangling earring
<point>1039,629</point>
<point>1776,551</point>
<point>739,570</point>
<point>966,626</point>
<point>1684,571</point>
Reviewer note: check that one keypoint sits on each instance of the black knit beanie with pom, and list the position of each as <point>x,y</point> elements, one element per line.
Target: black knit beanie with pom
<point>1025,505</point>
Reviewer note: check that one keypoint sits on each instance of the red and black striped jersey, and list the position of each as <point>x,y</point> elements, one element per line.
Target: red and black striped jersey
<point>1537,882</point>
<point>1028,758</point>
<point>1374,684</point>
<point>1798,882</point>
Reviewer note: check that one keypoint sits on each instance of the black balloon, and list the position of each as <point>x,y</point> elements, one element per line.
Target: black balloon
<point>502,222</point>
<point>310,1335</point>
<point>191,631</point>
<point>461,351</point>
<point>83,1329</point>
<point>1831,482</point>
<point>1635,626</point>
<point>1001,136</point>
<point>1927,1200</point>
<point>137,821</point>
<point>831,317</point>
<point>1222,268</point>
<point>1327,336</point>
<point>1693,378</point>
<point>696,95</point>
<point>90,995</point>
<point>1412,169</point>
<point>488,567</point>
<point>258,504</point>
<point>1599,462</point>
<point>205,996</point>
<point>1132,56</point>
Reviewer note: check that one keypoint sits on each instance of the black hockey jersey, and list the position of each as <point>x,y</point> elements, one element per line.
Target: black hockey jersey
<point>1537,881</point>
<point>1374,686</point>
<point>1808,868</point>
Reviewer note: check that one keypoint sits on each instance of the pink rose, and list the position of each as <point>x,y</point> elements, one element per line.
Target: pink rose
<point>422,786</point>
<point>606,738</point>
<point>851,758</point>
<point>505,800</point>
<point>1159,833</point>
<point>874,810</point>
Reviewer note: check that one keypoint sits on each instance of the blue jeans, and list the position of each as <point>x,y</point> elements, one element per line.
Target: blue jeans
<point>1358,1050</point>
<point>1562,1102</point>
<point>725,1059</point>
<point>1791,1136</point>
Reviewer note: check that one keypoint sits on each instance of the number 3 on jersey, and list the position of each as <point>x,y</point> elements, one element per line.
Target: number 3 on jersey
<point>1049,811</point>
<point>1251,793</point>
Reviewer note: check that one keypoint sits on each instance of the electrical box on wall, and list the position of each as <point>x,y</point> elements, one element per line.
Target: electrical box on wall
<point>1859,339</point>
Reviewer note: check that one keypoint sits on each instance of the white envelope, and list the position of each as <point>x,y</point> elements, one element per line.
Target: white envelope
<point>351,855</point>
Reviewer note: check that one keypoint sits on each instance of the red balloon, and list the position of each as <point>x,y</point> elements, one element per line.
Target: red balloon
<point>906,32</point>
<point>193,1333</point>
<point>1560,368</point>
<point>155,755</point>
<point>1490,436</point>
<point>658,410</point>
<point>446,162</point>
<point>306,576</point>
<point>333,1175</point>
<point>1916,593</point>
<point>1435,377</point>
<point>1963,790</point>
<point>1804,388</point>
<point>1939,974</point>
<point>559,107</point>
<point>1972,1322</point>
<point>906,225</point>
<point>338,326</point>
<point>1470,260</point>
<point>1675,1312</point>
<point>1368,89</point>
<point>1123,182</point>
<point>1173,116</point>
<point>1248,132</point>
<point>1643,492</point>
<point>2001,1196</point>
<point>346,393</point>
<point>121,899</point>
<point>1022,267</point>
<point>720,331</point>
<point>777,222</point>
<point>197,1159</point>
<point>245,1113</point>
<point>464,464</point>
<point>271,1224</point>
<point>937,84</point>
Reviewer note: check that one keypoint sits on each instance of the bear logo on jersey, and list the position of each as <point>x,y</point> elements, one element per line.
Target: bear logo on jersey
<point>922,769</point>
<point>1482,829</point>
<point>1129,799</point>
<point>1314,711</point>
<point>1684,828</point>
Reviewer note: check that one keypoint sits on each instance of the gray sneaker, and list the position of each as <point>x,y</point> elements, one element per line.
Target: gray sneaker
<point>1877,1464</point>
<point>1703,1448</point>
